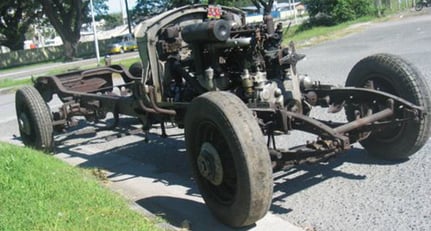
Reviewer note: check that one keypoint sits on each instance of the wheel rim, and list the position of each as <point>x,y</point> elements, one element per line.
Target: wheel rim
<point>209,164</point>
<point>25,126</point>
<point>389,134</point>
<point>215,164</point>
<point>419,6</point>
<point>24,123</point>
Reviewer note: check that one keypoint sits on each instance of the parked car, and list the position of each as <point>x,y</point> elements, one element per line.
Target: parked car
<point>123,44</point>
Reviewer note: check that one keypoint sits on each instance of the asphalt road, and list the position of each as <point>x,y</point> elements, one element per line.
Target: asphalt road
<point>355,191</point>
<point>352,192</point>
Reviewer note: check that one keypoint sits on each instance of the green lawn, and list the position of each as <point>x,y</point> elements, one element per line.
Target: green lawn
<point>40,192</point>
<point>320,34</point>
<point>4,83</point>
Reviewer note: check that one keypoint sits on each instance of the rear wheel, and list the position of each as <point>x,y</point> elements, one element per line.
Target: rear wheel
<point>229,158</point>
<point>136,69</point>
<point>419,5</point>
<point>396,76</point>
<point>34,119</point>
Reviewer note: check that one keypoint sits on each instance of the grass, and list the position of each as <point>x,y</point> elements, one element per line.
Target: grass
<point>18,68</point>
<point>128,62</point>
<point>40,192</point>
<point>316,35</point>
<point>4,83</point>
<point>125,62</point>
<point>320,34</point>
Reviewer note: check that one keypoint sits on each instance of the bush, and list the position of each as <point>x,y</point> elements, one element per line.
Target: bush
<point>362,7</point>
<point>343,11</point>
<point>337,11</point>
<point>322,19</point>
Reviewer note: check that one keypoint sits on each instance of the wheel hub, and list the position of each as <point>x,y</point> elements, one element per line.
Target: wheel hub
<point>24,123</point>
<point>209,164</point>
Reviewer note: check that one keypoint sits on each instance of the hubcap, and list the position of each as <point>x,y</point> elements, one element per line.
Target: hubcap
<point>24,123</point>
<point>209,164</point>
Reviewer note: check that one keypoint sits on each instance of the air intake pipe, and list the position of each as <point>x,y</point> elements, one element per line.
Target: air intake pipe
<point>210,31</point>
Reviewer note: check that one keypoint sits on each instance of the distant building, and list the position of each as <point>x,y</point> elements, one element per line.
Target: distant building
<point>4,49</point>
<point>107,34</point>
<point>280,11</point>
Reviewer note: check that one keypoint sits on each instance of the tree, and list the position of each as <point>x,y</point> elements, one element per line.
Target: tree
<point>67,17</point>
<point>111,20</point>
<point>378,5</point>
<point>178,3</point>
<point>337,11</point>
<point>267,6</point>
<point>145,8</point>
<point>15,20</point>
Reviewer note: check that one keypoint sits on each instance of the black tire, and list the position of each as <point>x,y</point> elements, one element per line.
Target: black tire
<point>396,76</point>
<point>223,137</point>
<point>419,6</point>
<point>136,69</point>
<point>34,119</point>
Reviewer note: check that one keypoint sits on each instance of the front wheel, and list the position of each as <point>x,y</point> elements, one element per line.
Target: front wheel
<point>396,76</point>
<point>229,158</point>
<point>419,6</point>
<point>34,119</point>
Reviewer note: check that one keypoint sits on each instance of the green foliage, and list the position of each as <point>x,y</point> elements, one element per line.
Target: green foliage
<point>67,18</point>
<point>319,6</point>
<point>331,12</point>
<point>343,11</point>
<point>4,83</point>
<point>362,8</point>
<point>39,192</point>
<point>317,34</point>
<point>15,20</point>
<point>177,3</point>
<point>111,20</point>
<point>234,3</point>
<point>146,8</point>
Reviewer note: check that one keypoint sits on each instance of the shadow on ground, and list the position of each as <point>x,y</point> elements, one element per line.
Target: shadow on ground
<point>165,160</point>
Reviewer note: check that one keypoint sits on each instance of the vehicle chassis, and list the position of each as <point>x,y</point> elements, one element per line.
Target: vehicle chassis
<point>89,94</point>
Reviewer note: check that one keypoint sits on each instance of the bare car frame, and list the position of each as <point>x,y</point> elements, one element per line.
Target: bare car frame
<point>230,84</point>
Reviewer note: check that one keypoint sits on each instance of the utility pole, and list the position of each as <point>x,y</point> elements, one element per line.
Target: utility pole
<point>128,17</point>
<point>292,11</point>
<point>96,42</point>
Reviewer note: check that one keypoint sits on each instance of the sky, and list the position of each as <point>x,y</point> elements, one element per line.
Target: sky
<point>115,6</point>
